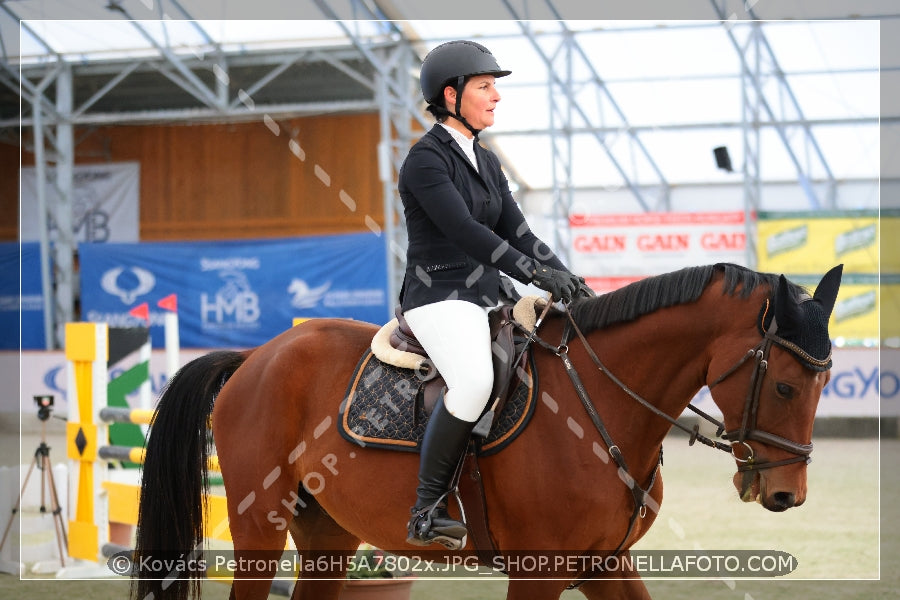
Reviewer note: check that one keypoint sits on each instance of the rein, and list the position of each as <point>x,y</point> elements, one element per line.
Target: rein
<point>747,432</point>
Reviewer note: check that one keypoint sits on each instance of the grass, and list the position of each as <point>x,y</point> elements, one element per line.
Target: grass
<point>834,536</point>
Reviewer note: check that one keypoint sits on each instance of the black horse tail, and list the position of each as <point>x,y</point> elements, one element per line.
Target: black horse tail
<point>174,482</point>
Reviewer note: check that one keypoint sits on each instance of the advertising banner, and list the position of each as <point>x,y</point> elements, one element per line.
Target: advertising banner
<point>236,293</point>
<point>859,309</point>
<point>105,203</point>
<point>863,380</point>
<point>805,245</point>
<point>30,301</point>
<point>613,250</point>
<point>44,373</point>
<point>855,314</point>
<point>889,313</point>
<point>814,242</point>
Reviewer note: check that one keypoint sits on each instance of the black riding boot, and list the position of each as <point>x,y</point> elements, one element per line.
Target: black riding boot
<point>445,440</point>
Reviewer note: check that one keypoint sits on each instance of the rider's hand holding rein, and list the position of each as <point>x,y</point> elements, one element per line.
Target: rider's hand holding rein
<point>562,285</point>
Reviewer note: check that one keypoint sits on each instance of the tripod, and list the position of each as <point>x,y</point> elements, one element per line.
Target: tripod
<point>42,462</point>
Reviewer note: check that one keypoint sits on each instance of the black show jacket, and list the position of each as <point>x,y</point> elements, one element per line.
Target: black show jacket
<point>464,226</point>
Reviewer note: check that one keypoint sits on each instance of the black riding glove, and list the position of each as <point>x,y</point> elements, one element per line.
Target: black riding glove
<point>584,290</point>
<point>561,284</point>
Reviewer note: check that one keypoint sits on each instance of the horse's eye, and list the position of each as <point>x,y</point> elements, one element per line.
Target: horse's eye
<point>784,390</point>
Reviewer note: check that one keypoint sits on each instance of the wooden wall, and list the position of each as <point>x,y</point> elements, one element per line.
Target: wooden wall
<point>9,192</point>
<point>317,175</point>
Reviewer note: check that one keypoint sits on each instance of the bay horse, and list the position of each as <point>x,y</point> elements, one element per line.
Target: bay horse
<point>758,341</point>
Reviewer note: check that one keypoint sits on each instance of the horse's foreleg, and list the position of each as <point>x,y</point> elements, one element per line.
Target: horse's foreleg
<point>530,589</point>
<point>624,584</point>
<point>317,536</point>
<point>617,589</point>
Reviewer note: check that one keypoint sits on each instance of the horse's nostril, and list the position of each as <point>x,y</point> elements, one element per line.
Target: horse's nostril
<point>782,501</point>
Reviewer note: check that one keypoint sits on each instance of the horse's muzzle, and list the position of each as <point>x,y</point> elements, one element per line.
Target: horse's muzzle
<point>752,488</point>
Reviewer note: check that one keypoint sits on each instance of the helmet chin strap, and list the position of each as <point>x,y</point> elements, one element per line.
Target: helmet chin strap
<point>465,123</point>
<point>460,84</point>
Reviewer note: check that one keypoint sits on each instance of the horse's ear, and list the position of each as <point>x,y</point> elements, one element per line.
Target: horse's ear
<point>787,311</point>
<point>827,290</point>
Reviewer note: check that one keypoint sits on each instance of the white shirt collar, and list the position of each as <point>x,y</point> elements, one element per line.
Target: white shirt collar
<point>466,144</point>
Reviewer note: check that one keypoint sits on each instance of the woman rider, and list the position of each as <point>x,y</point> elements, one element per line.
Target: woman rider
<point>464,229</point>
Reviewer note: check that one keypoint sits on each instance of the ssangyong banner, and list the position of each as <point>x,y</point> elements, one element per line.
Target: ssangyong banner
<point>235,293</point>
<point>615,249</point>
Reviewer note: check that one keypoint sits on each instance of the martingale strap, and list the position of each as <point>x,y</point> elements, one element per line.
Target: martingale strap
<point>639,495</point>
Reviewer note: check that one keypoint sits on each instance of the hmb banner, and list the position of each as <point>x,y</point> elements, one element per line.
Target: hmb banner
<point>236,293</point>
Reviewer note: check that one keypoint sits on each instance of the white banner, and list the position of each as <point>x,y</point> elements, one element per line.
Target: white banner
<point>859,386</point>
<point>612,250</point>
<point>105,202</point>
<point>44,373</point>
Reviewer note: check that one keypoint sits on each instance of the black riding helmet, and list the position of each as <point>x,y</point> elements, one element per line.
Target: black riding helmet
<point>451,63</point>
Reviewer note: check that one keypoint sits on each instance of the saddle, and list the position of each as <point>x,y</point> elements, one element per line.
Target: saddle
<point>395,385</point>
<point>503,351</point>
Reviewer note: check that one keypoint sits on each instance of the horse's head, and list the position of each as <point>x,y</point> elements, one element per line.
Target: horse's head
<point>770,420</point>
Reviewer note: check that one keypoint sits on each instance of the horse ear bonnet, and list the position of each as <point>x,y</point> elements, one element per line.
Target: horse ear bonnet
<point>802,327</point>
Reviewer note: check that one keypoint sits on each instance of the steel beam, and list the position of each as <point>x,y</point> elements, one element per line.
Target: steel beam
<point>399,106</point>
<point>569,51</point>
<point>191,82</point>
<point>758,66</point>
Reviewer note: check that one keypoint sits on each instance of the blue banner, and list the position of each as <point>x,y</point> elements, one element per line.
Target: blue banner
<point>235,293</point>
<point>30,301</point>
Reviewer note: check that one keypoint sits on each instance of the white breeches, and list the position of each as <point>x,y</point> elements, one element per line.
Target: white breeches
<point>456,335</point>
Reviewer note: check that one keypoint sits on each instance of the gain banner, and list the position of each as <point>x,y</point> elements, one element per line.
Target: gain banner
<point>613,250</point>
<point>236,293</point>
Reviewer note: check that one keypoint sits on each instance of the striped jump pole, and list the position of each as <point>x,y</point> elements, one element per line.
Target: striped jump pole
<point>135,416</point>
<point>135,454</point>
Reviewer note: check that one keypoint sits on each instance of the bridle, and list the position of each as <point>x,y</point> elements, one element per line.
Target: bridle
<point>749,430</point>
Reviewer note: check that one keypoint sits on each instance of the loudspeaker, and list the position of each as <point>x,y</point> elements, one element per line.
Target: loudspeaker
<point>723,160</point>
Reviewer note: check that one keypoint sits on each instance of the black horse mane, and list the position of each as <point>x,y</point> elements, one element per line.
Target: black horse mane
<point>678,287</point>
